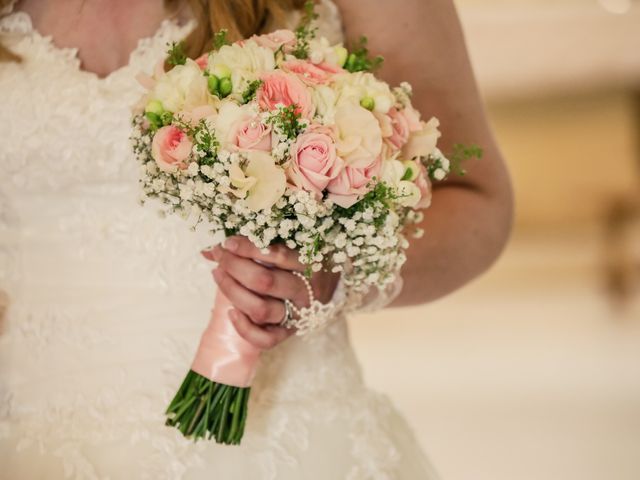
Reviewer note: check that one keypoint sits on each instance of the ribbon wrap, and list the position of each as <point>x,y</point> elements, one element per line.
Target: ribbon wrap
<point>223,356</point>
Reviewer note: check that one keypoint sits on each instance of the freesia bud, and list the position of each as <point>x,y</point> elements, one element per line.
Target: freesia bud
<point>342,54</point>
<point>368,103</point>
<point>155,107</point>
<point>225,87</point>
<point>213,84</point>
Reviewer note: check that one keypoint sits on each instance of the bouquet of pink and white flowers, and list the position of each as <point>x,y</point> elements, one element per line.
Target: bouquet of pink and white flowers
<point>283,138</point>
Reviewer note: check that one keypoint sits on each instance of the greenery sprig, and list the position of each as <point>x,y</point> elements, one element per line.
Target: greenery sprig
<point>359,59</point>
<point>287,120</point>
<point>220,39</point>
<point>176,55</point>
<point>250,92</point>
<point>306,31</point>
<point>462,153</point>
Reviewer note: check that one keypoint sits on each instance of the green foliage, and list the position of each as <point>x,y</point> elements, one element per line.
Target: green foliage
<point>359,60</point>
<point>220,39</point>
<point>287,120</point>
<point>176,54</point>
<point>250,91</point>
<point>204,137</point>
<point>306,31</point>
<point>379,198</point>
<point>461,153</point>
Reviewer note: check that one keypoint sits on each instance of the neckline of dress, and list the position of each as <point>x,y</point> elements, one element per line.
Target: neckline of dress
<point>70,54</point>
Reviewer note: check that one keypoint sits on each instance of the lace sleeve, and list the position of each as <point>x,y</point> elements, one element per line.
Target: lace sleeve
<point>376,298</point>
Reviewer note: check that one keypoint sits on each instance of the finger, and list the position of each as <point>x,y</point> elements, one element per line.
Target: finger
<point>261,337</point>
<point>278,255</point>
<point>274,282</point>
<point>260,310</point>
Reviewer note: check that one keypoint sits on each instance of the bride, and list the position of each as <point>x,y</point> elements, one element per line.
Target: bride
<point>106,302</point>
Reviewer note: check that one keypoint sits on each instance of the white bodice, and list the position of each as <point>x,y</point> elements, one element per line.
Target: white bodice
<point>108,300</point>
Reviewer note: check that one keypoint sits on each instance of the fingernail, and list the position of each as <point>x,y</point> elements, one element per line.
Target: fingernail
<point>216,254</point>
<point>230,244</point>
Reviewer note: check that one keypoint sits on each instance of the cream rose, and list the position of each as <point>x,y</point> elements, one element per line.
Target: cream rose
<point>393,171</point>
<point>364,87</point>
<point>359,139</point>
<point>423,142</point>
<point>184,87</point>
<point>262,182</point>
<point>170,148</point>
<point>324,98</point>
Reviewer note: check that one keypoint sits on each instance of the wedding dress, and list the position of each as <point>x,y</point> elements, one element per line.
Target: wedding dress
<point>107,302</point>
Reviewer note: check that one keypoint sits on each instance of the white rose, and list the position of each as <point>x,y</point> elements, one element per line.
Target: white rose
<point>184,87</point>
<point>262,183</point>
<point>324,98</point>
<point>408,192</point>
<point>359,86</point>
<point>246,62</point>
<point>359,140</point>
<point>423,142</point>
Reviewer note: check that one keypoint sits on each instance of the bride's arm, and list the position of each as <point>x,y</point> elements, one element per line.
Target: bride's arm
<point>470,218</point>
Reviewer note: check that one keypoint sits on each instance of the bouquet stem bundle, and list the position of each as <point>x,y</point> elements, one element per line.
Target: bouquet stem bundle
<point>212,401</point>
<point>206,409</point>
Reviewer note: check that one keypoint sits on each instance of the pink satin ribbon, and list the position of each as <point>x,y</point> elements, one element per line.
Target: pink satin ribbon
<point>223,355</point>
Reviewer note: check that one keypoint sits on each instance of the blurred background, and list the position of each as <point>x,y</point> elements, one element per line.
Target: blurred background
<point>532,372</point>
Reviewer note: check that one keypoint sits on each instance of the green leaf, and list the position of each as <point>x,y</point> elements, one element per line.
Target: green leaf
<point>306,30</point>
<point>250,91</point>
<point>220,39</point>
<point>176,54</point>
<point>462,153</point>
<point>359,60</point>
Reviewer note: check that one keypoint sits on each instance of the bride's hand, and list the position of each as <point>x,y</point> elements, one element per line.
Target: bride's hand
<point>258,290</point>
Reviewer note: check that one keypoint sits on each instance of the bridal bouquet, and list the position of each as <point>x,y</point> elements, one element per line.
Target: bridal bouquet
<point>283,138</point>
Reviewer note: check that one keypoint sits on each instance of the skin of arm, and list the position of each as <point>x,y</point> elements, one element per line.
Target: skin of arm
<point>469,221</point>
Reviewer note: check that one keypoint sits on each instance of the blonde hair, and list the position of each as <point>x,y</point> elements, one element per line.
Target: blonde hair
<point>241,18</point>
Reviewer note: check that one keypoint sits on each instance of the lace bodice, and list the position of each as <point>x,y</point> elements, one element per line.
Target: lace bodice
<point>107,300</point>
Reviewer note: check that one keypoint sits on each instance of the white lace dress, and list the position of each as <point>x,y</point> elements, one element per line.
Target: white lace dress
<point>108,301</point>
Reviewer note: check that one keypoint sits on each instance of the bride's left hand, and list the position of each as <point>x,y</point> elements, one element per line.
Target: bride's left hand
<point>258,290</point>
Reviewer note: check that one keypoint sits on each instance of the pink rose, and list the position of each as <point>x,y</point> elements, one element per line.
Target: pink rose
<point>252,134</point>
<point>424,185</point>
<point>412,116</point>
<point>275,40</point>
<point>283,88</point>
<point>202,61</point>
<point>310,73</point>
<point>403,123</point>
<point>314,162</point>
<point>352,183</point>
<point>399,129</point>
<point>170,148</point>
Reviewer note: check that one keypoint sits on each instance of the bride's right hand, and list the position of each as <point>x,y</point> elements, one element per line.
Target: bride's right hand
<point>257,283</point>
